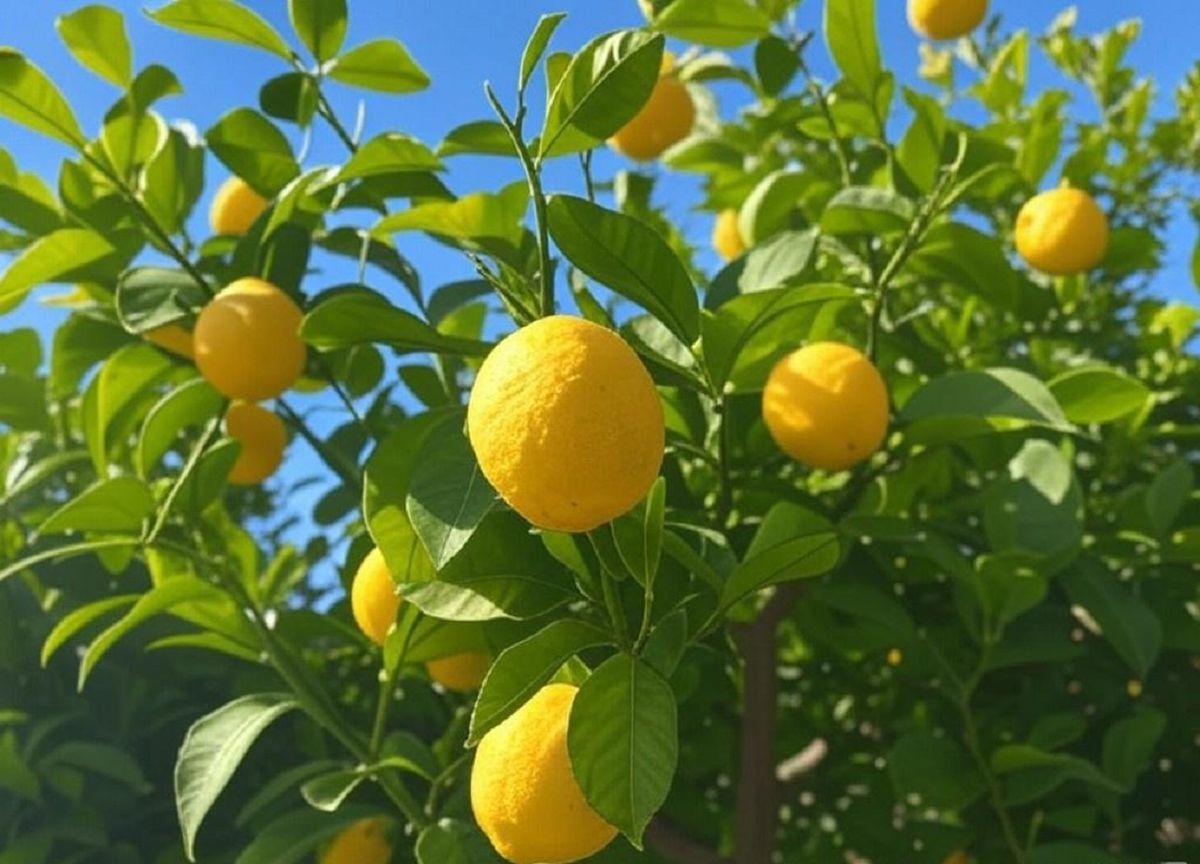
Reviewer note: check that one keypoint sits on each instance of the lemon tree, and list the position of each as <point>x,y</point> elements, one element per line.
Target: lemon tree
<point>869,535</point>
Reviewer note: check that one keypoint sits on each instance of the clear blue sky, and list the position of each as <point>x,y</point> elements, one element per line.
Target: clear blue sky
<point>461,43</point>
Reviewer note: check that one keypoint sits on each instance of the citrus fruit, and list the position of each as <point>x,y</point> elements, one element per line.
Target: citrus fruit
<point>364,842</point>
<point>247,341</point>
<point>263,439</point>
<point>727,237</point>
<point>946,19</point>
<point>523,792</point>
<point>1062,232</point>
<point>566,424</point>
<point>373,597</point>
<point>826,405</point>
<point>172,338</point>
<point>235,207</point>
<point>461,673</point>
<point>665,119</point>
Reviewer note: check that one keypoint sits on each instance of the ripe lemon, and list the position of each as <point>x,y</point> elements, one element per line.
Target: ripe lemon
<point>523,792</point>
<point>263,439</point>
<point>461,673</point>
<point>247,341</point>
<point>826,405</point>
<point>235,207</point>
<point>1062,232</point>
<point>566,424</point>
<point>946,19</point>
<point>364,842</point>
<point>373,597</point>
<point>665,119</point>
<point>727,238</point>
<point>172,338</point>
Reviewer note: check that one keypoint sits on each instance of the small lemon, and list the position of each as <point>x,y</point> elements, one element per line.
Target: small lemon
<point>826,405</point>
<point>959,857</point>
<point>364,842</point>
<point>727,237</point>
<point>1062,232</point>
<point>247,341</point>
<point>566,424</point>
<point>895,657</point>
<point>172,338</point>
<point>666,118</point>
<point>946,19</point>
<point>373,597</point>
<point>461,673</point>
<point>263,439</point>
<point>523,792</point>
<point>235,207</point>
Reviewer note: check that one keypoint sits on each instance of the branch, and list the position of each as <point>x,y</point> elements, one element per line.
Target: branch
<point>672,844</point>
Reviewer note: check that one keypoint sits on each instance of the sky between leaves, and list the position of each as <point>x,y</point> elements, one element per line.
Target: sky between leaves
<point>462,43</point>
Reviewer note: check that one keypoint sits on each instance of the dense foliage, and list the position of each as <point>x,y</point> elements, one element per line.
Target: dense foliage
<point>984,638</point>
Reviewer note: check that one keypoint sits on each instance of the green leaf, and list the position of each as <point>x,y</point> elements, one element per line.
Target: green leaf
<point>785,548</point>
<point>448,496</point>
<point>29,97</point>
<point>79,618</point>
<point>320,24</point>
<point>149,297</point>
<point>451,841</point>
<point>124,377</point>
<point>359,316</point>
<point>1098,394</point>
<point>1069,852</point>
<point>96,37</point>
<point>1124,619</point>
<point>1038,508</point>
<point>212,750</point>
<point>536,46</point>
<point>850,34</point>
<point>1129,745</point>
<point>770,206</point>
<point>623,742</point>
<point>1167,495</point>
<point>291,96</point>
<point>667,643</point>
<point>867,210</point>
<point>716,23</point>
<point>389,153</point>
<point>481,137</point>
<point>1011,758</point>
<point>23,403</point>
<point>381,64</point>
<point>278,786</point>
<point>51,258</point>
<point>15,775</point>
<point>602,89</point>
<point>983,400</point>
<point>117,505</point>
<point>294,837</point>
<point>252,147</point>
<point>966,257</point>
<point>637,535</point>
<point>776,263</point>
<point>222,19</point>
<point>524,667</point>
<point>101,759</point>
<point>192,403</point>
<point>627,256</point>
<point>481,217</point>
<point>919,152</point>
<point>935,769</point>
<point>775,63</point>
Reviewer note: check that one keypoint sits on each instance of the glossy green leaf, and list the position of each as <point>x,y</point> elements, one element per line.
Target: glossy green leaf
<point>29,97</point>
<point>222,19</point>
<point>389,153</point>
<point>1124,619</point>
<point>1098,394</point>
<point>320,24</point>
<point>936,769</point>
<point>125,377</point>
<point>190,404</point>
<point>294,837</point>
<point>359,316</point>
<point>986,399</point>
<point>535,47</point>
<point>716,23</point>
<point>50,259</point>
<point>253,148</point>
<point>96,37</point>
<point>1167,495</point>
<point>799,552</point>
<point>1038,508</point>
<point>77,619</point>
<point>381,64</point>
<point>1129,745</point>
<point>850,34</point>
<point>481,137</point>
<point>867,210</point>
<point>482,216</point>
<point>291,96</point>
<point>116,505</point>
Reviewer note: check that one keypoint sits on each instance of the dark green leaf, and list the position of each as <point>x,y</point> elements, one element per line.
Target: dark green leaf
<point>253,148</point>
<point>291,96</point>
<point>1038,508</point>
<point>776,63</point>
<point>1129,745</point>
<point>866,210</point>
<point>1124,620</point>
<point>1167,495</point>
<point>935,769</point>
<point>358,316</point>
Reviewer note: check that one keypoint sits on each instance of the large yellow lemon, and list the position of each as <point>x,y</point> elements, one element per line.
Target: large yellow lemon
<point>364,842</point>
<point>666,118</point>
<point>247,341</point>
<point>566,424</point>
<point>373,597</point>
<point>235,207</point>
<point>263,439</point>
<point>826,405</point>
<point>523,792</point>
<point>172,338</point>
<point>461,673</point>
<point>727,237</point>
<point>946,19</point>
<point>1062,232</point>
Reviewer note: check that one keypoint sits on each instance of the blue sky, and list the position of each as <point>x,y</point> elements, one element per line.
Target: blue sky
<point>461,43</point>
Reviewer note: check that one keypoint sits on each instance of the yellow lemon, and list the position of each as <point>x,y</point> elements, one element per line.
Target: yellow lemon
<point>523,792</point>
<point>461,673</point>
<point>826,405</point>
<point>727,238</point>
<point>373,597</point>
<point>946,19</point>
<point>364,842</point>
<point>172,338</point>
<point>566,424</point>
<point>247,341</point>
<point>263,439</point>
<point>1062,232</point>
<point>666,118</point>
<point>235,207</point>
